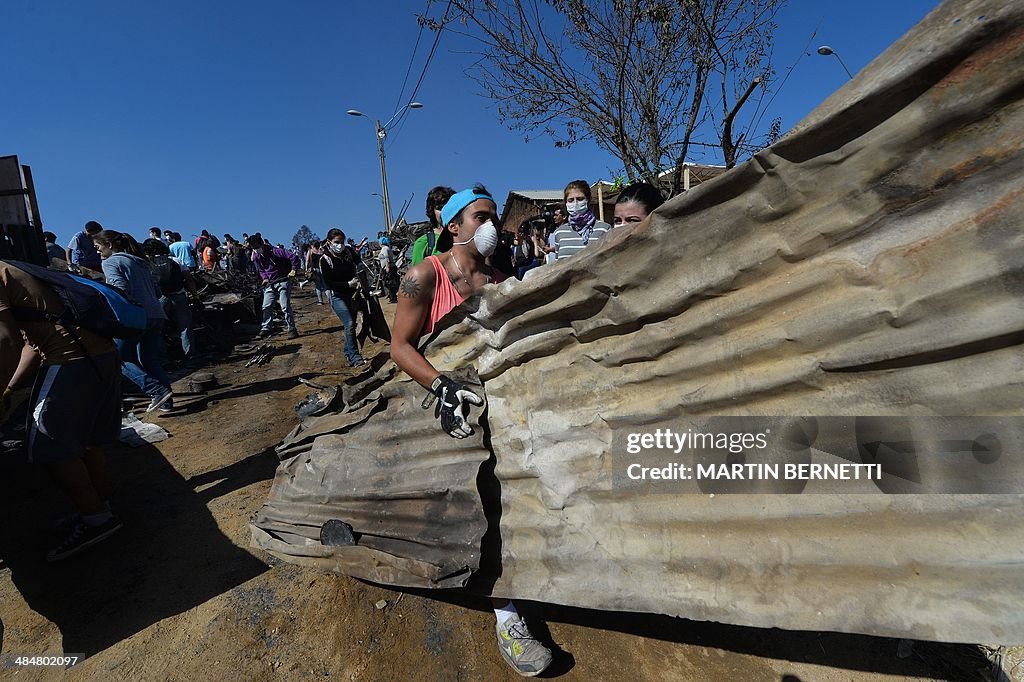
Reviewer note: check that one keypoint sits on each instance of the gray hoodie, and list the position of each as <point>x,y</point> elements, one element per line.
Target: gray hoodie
<point>131,275</point>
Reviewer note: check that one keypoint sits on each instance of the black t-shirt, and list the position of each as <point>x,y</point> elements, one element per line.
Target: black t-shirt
<point>156,246</point>
<point>236,257</point>
<point>337,270</point>
<point>167,274</point>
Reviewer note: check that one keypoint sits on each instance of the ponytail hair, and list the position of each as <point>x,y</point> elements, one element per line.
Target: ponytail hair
<point>119,242</point>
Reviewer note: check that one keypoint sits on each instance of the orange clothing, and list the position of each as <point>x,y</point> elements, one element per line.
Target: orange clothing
<point>446,296</point>
<point>210,258</point>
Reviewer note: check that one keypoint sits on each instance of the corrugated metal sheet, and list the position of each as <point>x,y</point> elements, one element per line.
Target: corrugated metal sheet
<point>870,263</point>
<point>538,194</point>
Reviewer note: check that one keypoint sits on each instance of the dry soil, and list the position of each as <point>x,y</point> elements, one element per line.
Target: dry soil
<point>179,594</point>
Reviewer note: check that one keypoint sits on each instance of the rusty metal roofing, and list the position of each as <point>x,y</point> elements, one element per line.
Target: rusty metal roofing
<point>869,263</point>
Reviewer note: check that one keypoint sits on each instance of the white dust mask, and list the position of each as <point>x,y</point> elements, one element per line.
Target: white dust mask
<point>485,239</point>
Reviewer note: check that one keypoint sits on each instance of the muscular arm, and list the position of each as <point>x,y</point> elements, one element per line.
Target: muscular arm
<point>415,295</point>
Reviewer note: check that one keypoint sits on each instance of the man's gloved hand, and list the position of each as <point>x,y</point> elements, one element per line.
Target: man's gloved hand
<point>451,406</point>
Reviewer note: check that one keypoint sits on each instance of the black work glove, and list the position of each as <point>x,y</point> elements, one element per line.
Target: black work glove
<point>451,406</point>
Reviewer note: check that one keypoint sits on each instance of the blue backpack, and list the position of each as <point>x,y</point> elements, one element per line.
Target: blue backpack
<point>95,306</point>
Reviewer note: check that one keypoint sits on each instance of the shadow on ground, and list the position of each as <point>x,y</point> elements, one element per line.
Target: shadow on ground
<point>227,479</point>
<point>169,557</point>
<point>929,660</point>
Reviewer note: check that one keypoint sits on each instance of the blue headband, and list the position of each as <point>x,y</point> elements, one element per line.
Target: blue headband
<point>459,201</point>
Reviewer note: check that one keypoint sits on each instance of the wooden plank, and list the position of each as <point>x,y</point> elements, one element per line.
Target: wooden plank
<point>35,218</point>
<point>13,207</point>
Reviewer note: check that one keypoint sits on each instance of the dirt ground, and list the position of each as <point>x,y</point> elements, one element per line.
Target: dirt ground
<point>178,594</point>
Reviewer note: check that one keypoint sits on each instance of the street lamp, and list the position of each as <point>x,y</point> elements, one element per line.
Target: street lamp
<point>382,133</point>
<point>379,198</point>
<point>826,51</point>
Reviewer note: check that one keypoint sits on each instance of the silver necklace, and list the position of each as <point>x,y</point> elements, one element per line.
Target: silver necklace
<point>464,278</point>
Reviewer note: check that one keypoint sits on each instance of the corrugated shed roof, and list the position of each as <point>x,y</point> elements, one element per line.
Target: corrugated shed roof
<point>538,194</point>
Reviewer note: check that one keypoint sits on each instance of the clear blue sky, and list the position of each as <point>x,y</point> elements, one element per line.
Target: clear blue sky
<point>231,115</point>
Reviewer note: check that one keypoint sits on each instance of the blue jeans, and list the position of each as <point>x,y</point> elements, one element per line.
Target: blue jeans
<point>344,314</point>
<point>318,283</point>
<point>142,360</point>
<point>179,312</point>
<point>282,291</point>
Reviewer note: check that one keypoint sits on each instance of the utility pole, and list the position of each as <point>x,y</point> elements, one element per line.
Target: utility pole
<point>382,133</point>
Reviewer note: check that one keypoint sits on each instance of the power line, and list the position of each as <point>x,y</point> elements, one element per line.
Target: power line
<point>423,73</point>
<point>412,58</point>
<point>753,126</point>
<point>433,48</point>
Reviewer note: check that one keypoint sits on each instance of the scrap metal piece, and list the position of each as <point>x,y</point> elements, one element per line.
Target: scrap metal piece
<point>868,263</point>
<point>337,533</point>
<point>260,356</point>
<point>316,403</point>
<point>201,382</point>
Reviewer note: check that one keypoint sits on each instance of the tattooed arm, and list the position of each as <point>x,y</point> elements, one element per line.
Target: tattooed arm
<point>415,296</point>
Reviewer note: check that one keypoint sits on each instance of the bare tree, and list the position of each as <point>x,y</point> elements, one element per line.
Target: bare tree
<point>647,80</point>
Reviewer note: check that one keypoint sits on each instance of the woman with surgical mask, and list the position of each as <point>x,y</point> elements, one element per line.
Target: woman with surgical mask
<point>583,227</point>
<point>338,270</point>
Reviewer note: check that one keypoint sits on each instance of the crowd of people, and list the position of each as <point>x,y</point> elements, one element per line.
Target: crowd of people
<point>571,227</point>
<point>75,373</point>
<point>70,372</point>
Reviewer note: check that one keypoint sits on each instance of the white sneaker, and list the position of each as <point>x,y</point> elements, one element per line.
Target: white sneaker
<point>159,400</point>
<point>520,649</point>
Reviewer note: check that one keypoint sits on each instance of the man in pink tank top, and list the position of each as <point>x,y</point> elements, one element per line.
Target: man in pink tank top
<point>428,292</point>
<point>433,287</point>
